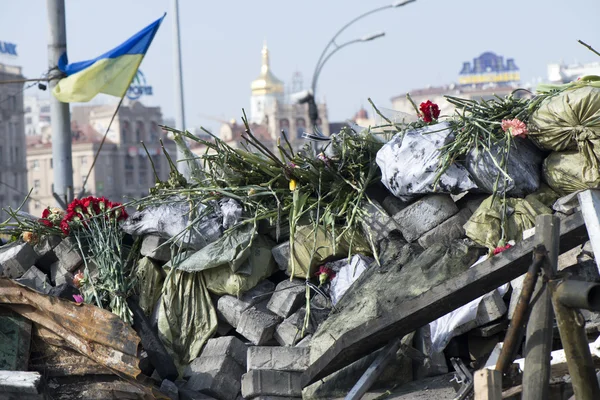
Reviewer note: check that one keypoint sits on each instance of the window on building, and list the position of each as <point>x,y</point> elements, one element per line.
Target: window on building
<point>142,178</point>
<point>154,135</point>
<point>143,162</point>
<point>38,205</point>
<point>140,132</point>
<point>125,130</point>
<point>300,127</point>
<point>35,165</point>
<point>28,120</point>
<point>129,178</point>
<point>45,109</point>
<point>37,184</point>
<point>51,163</point>
<point>284,125</point>
<point>27,109</point>
<point>83,179</point>
<point>84,160</point>
<point>129,163</point>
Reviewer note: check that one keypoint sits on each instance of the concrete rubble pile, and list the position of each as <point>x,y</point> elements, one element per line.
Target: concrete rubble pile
<point>261,348</point>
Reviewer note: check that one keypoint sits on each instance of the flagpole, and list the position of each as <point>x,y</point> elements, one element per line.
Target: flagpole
<point>179,107</point>
<point>60,114</point>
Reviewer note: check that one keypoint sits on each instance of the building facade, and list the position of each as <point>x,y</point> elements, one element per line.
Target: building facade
<point>486,77</point>
<point>272,111</point>
<point>122,170</point>
<point>37,115</point>
<point>13,167</point>
<point>562,73</point>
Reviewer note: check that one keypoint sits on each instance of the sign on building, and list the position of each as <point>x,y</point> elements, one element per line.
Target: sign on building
<point>139,87</point>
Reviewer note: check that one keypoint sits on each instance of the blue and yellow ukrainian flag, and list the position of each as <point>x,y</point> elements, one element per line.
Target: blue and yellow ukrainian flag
<point>110,73</point>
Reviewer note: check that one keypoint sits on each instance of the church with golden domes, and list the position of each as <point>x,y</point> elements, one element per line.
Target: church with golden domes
<point>272,111</point>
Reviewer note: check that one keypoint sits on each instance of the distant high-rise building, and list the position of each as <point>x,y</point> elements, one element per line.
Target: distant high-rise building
<point>37,115</point>
<point>562,73</point>
<point>13,168</point>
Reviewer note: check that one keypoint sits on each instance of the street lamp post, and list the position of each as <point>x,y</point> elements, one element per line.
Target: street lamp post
<point>313,111</point>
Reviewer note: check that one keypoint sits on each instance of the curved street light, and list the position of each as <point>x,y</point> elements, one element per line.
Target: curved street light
<point>312,106</point>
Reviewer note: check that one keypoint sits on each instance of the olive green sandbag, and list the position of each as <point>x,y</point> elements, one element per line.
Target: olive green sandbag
<point>485,225</point>
<point>564,172</point>
<point>570,120</point>
<point>350,243</point>
<point>222,280</point>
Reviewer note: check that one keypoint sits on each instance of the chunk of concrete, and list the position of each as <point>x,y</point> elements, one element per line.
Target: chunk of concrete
<point>447,231</point>
<point>260,293</point>
<point>305,342</point>
<point>393,205</point>
<point>169,389</point>
<point>36,280</point>
<point>230,309</point>
<point>68,255</point>
<point>272,383</point>
<point>424,215</point>
<point>15,259</point>
<point>288,297</point>
<point>491,308</point>
<point>44,249</point>
<point>215,376</point>
<point>60,275</point>
<point>289,332</point>
<point>278,358</point>
<point>228,346</point>
<point>257,326</point>
<point>281,254</point>
<point>152,247</point>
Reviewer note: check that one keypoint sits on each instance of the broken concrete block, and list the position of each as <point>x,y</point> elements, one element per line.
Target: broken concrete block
<point>278,358</point>
<point>491,308</point>
<point>259,293</point>
<point>424,215</point>
<point>587,252</point>
<point>36,280</point>
<point>517,286</point>
<point>289,332</point>
<point>567,204</point>
<point>393,205</point>
<point>377,224</point>
<point>447,231</point>
<point>15,259</point>
<point>152,247</point>
<point>68,255</point>
<point>230,309</point>
<point>60,275</point>
<point>281,254</point>
<point>257,326</point>
<point>226,346</point>
<point>568,258</point>
<point>44,249</point>
<point>217,376</point>
<point>273,383</point>
<point>305,342</point>
<point>288,297</point>
<point>15,341</point>
<point>169,389</point>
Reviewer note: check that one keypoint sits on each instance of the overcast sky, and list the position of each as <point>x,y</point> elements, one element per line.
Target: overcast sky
<point>425,44</point>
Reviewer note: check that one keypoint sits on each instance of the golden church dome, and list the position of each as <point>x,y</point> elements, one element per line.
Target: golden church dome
<point>266,83</point>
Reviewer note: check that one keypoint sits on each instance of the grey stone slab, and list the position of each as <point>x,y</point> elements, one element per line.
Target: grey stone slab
<point>377,224</point>
<point>169,389</point>
<point>288,297</point>
<point>260,293</point>
<point>281,254</point>
<point>278,358</point>
<point>60,275</point>
<point>491,308</point>
<point>215,376</point>
<point>68,255</point>
<point>36,279</point>
<point>228,346</point>
<point>393,205</point>
<point>272,383</point>
<point>305,342</point>
<point>15,259</point>
<point>230,309</point>
<point>152,247</point>
<point>447,231</point>
<point>424,215</point>
<point>257,326</point>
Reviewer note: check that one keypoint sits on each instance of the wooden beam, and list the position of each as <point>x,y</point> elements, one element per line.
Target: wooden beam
<point>488,384</point>
<point>538,338</point>
<point>590,207</point>
<point>437,302</point>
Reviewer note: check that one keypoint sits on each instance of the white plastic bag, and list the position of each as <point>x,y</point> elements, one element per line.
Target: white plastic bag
<point>346,275</point>
<point>442,329</point>
<point>409,163</point>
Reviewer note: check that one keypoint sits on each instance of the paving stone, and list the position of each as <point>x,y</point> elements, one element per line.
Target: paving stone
<point>169,389</point>
<point>60,275</point>
<point>424,215</point>
<point>15,341</point>
<point>288,297</point>
<point>491,308</point>
<point>287,334</point>
<point>257,326</point>
<point>215,376</point>
<point>260,293</point>
<point>15,259</point>
<point>393,205</point>
<point>447,231</point>
<point>305,342</point>
<point>44,249</point>
<point>377,224</point>
<point>278,358</point>
<point>152,248</point>
<point>68,254</point>
<point>281,254</point>
<point>36,280</point>
<point>228,346</point>
<point>271,383</point>
<point>230,309</point>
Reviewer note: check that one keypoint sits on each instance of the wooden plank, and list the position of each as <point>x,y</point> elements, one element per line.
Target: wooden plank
<point>488,384</point>
<point>437,302</point>
<point>590,208</point>
<point>20,382</point>
<point>538,338</point>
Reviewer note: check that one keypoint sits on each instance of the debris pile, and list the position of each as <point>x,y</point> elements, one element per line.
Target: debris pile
<point>297,276</point>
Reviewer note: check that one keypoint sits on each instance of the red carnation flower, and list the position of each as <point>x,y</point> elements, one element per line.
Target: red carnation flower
<point>324,273</point>
<point>429,111</point>
<point>64,227</point>
<point>44,220</point>
<point>500,249</point>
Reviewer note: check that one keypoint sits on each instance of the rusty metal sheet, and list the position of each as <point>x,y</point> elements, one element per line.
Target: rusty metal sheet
<point>91,331</point>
